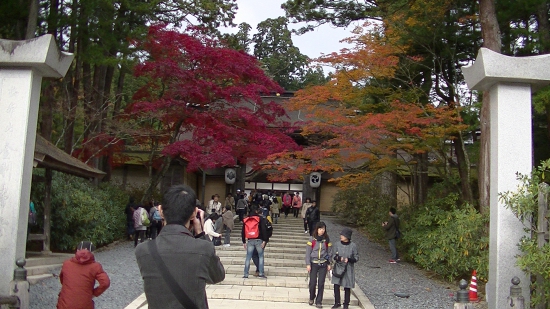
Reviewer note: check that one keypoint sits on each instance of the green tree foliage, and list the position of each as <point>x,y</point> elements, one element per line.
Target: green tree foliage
<point>82,211</point>
<point>282,60</point>
<point>240,40</point>
<point>337,12</point>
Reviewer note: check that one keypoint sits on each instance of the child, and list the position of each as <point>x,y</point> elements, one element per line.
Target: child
<point>78,276</point>
<point>346,252</point>
<point>318,256</point>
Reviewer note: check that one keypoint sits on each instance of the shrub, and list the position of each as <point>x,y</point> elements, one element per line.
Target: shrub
<point>82,211</point>
<point>523,202</point>
<point>448,239</point>
<point>363,206</point>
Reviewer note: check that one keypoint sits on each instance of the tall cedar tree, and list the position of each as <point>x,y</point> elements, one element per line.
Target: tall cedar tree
<point>205,100</point>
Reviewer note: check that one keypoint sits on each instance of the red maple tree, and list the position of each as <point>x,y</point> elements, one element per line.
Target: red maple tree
<point>202,101</point>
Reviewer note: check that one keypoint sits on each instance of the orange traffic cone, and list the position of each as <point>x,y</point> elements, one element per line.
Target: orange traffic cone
<point>473,288</point>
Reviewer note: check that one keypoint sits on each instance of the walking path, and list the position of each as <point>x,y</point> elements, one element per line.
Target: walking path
<point>374,276</point>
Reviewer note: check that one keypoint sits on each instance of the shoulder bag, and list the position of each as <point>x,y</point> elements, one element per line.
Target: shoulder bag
<point>175,288</point>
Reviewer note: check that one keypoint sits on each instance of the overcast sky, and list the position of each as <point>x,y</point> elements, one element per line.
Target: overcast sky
<point>323,40</point>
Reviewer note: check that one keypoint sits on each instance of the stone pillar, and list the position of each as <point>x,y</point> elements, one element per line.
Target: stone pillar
<point>509,81</point>
<point>22,66</point>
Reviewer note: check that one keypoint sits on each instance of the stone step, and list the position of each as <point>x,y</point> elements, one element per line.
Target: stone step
<point>269,270</point>
<point>56,258</point>
<point>226,261</point>
<point>268,254</point>
<point>278,231</point>
<point>37,278</point>
<point>277,238</point>
<point>272,244</point>
<point>255,304</point>
<point>266,293</point>
<point>269,248</point>
<point>272,281</point>
<point>42,269</point>
<point>141,303</point>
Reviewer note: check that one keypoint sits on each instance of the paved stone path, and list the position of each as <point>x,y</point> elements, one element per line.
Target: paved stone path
<point>286,285</point>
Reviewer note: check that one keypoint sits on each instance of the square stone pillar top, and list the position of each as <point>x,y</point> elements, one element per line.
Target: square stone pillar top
<point>40,54</point>
<point>491,67</point>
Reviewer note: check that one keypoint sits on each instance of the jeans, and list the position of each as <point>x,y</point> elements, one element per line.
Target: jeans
<point>317,276</point>
<point>227,237</point>
<point>305,224</point>
<point>275,218</point>
<point>393,249</point>
<point>256,259</point>
<point>251,245</point>
<point>296,211</point>
<point>241,213</point>
<point>347,293</point>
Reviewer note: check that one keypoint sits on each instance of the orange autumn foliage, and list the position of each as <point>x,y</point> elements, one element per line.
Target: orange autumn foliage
<point>364,125</point>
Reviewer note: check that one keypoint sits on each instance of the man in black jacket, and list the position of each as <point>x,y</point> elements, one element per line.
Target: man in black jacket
<point>254,236</point>
<point>390,228</point>
<point>313,215</point>
<point>189,257</point>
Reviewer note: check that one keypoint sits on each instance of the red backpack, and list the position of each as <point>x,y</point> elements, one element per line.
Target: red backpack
<point>252,227</point>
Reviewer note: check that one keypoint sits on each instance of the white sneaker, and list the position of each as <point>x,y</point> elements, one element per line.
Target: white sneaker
<point>305,232</point>
<point>227,245</point>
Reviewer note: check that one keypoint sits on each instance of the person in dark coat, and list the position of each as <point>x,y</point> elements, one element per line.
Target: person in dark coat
<point>345,252</point>
<point>129,211</point>
<point>189,257</point>
<point>313,215</point>
<point>391,228</point>
<point>78,277</point>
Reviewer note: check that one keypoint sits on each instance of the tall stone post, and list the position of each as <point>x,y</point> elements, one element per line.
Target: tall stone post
<point>22,66</point>
<point>509,81</point>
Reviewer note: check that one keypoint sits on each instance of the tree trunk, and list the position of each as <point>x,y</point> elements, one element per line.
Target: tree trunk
<point>387,184</point>
<point>155,179</point>
<point>491,39</point>
<point>32,20</point>
<point>118,91</point>
<point>463,163</point>
<point>544,33</point>
<point>420,179</point>
<point>46,111</point>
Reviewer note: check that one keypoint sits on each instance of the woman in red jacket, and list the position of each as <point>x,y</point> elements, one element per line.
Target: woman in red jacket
<point>78,276</point>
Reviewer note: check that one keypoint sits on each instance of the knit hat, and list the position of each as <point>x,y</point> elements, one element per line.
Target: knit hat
<point>346,232</point>
<point>88,245</point>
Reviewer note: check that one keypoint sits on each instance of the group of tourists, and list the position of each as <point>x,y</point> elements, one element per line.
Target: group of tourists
<point>185,227</point>
<point>142,221</point>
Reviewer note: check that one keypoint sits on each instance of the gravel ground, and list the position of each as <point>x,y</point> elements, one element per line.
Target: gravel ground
<point>379,280</point>
<point>118,261</point>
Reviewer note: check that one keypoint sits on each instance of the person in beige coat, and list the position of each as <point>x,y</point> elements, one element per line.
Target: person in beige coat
<point>228,224</point>
<point>305,206</point>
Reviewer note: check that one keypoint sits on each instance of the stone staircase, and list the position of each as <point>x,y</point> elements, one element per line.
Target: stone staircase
<point>42,266</point>
<point>286,284</point>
